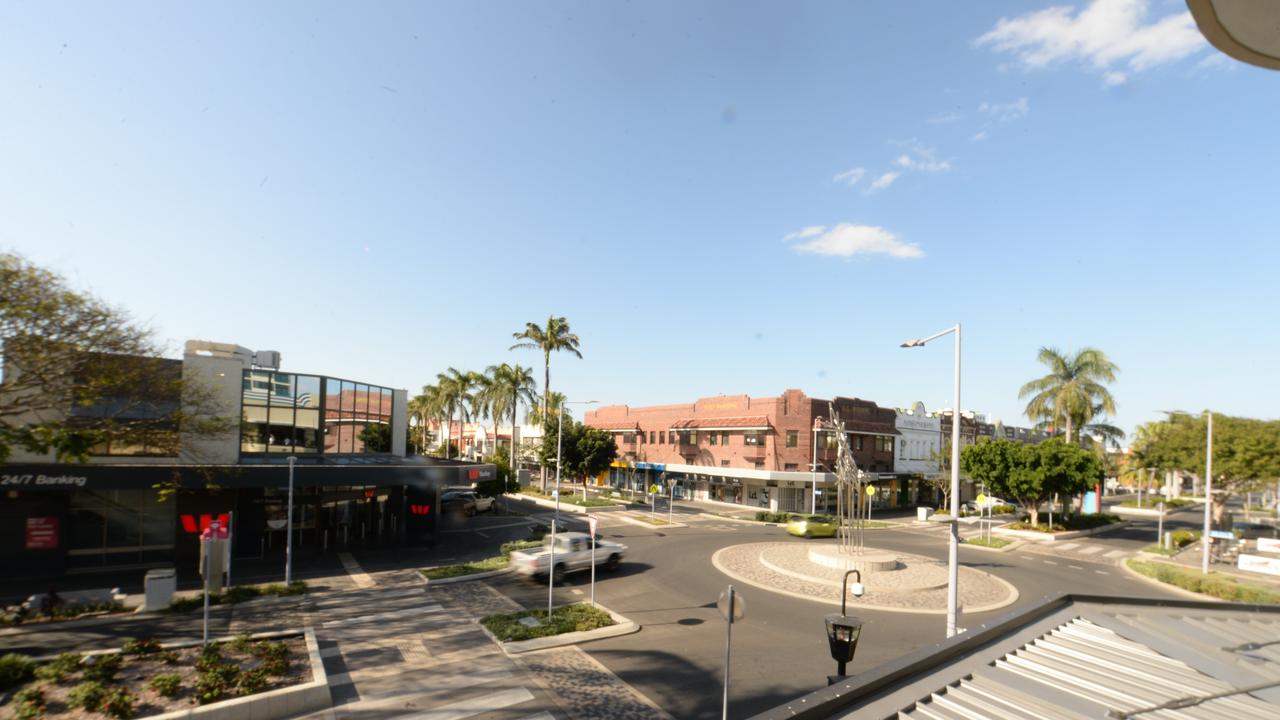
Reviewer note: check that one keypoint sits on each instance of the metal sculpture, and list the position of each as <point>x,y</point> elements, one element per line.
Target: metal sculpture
<point>852,502</point>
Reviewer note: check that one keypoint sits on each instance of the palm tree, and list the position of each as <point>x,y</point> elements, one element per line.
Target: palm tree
<point>425,407</point>
<point>554,402</point>
<point>555,337</point>
<point>455,398</point>
<point>1073,395</point>
<point>505,387</point>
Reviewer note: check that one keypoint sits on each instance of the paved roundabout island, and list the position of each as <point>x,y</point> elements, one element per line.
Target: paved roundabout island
<point>894,581</point>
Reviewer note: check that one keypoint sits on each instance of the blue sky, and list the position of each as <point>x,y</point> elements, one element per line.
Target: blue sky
<point>722,197</point>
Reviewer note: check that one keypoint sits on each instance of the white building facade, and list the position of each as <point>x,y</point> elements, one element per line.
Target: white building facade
<point>919,441</point>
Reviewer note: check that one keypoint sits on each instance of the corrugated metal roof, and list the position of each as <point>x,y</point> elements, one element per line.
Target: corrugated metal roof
<point>1069,671</point>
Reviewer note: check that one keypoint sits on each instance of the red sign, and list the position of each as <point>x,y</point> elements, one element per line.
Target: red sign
<point>420,509</point>
<point>189,522</point>
<point>42,533</point>
<point>473,474</point>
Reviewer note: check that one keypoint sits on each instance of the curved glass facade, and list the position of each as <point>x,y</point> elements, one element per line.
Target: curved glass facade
<point>291,414</point>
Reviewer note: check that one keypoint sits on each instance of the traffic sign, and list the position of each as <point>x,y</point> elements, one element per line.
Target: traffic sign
<point>739,606</point>
<point>671,482</point>
<point>592,522</point>
<point>654,489</point>
<point>871,490</point>
<point>982,499</point>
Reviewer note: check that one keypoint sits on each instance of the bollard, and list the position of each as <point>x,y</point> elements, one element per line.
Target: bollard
<point>326,538</point>
<point>1168,541</point>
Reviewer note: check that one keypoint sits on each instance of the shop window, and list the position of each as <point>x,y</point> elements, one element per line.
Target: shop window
<point>651,437</point>
<point>628,437</point>
<point>711,438</point>
<point>790,467</point>
<point>724,438</point>
<point>662,437</point>
<point>793,438</point>
<point>753,437</point>
<point>857,442</point>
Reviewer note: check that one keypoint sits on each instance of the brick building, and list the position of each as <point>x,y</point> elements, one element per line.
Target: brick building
<point>758,452</point>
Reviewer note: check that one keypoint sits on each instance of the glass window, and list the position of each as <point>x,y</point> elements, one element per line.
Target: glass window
<point>306,389</point>
<point>651,436</point>
<point>792,438</point>
<point>662,437</point>
<point>711,438</point>
<point>628,437</point>
<point>857,442</point>
<point>724,438</point>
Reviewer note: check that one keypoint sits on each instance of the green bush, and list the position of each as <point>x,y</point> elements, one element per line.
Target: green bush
<point>276,666</point>
<point>1183,538</point>
<point>210,687</point>
<point>166,684</point>
<point>1216,585</point>
<point>30,703</point>
<point>100,667</point>
<point>240,593</point>
<point>15,669</point>
<point>508,547</point>
<point>118,703</point>
<point>496,562</point>
<point>87,695</point>
<point>241,643</point>
<point>266,649</point>
<point>251,681</point>
<point>143,646</point>
<point>169,657</point>
<point>772,517</point>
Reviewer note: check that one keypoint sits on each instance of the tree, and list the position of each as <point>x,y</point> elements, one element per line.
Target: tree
<point>505,387</point>
<point>77,373</point>
<point>455,396</point>
<point>1072,396</point>
<point>425,407</point>
<point>376,437</point>
<point>1031,474</point>
<point>554,402</point>
<point>584,451</point>
<point>506,479</point>
<point>1246,451</point>
<point>554,337</point>
<point>596,451</point>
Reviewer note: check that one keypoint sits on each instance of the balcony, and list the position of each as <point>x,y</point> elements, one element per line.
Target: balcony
<point>753,453</point>
<point>687,447</point>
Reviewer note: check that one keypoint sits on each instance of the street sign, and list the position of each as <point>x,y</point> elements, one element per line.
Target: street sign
<point>871,490</point>
<point>592,522</point>
<point>671,482</point>
<point>982,499</point>
<point>1222,535</point>
<point>739,606</point>
<point>654,489</point>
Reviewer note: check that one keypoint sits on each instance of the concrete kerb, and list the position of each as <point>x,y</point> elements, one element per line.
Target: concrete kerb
<point>624,517</point>
<point>566,506</point>
<point>1013,545</point>
<point>1013,594</point>
<point>1036,536</point>
<point>621,626</point>
<point>463,578</point>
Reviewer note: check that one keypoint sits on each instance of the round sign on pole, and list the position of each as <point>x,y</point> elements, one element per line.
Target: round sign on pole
<point>982,499</point>
<point>871,490</point>
<point>739,605</point>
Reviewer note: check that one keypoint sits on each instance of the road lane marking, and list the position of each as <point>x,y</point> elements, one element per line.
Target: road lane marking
<point>1075,567</point>
<point>1091,549</point>
<point>357,573</point>
<point>576,591</point>
<point>1102,572</point>
<point>1115,553</point>
<point>1067,546</point>
<point>391,614</point>
<point>483,535</point>
<point>1048,562</point>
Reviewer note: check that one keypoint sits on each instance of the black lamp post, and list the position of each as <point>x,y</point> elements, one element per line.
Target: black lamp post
<point>843,631</point>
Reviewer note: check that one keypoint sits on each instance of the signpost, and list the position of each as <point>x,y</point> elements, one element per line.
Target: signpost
<point>214,556</point>
<point>671,486</point>
<point>591,525</point>
<point>733,608</point>
<point>653,498</point>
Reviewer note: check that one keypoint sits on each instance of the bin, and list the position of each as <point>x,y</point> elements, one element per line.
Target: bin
<point>159,585</point>
<point>923,514</point>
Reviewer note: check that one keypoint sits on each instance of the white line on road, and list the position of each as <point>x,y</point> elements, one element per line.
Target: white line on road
<point>1048,562</point>
<point>522,523</point>
<point>1115,553</point>
<point>474,706</point>
<point>1102,572</point>
<point>391,614</point>
<point>576,591</point>
<point>1090,550</point>
<point>1066,546</point>
<point>544,715</point>
<point>1075,567</point>
<point>483,535</point>
<point>358,575</point>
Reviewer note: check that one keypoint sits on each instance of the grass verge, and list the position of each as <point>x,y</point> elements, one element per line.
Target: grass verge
<point>650,519</point>
<point>237,594</point>
<point>573,618</point>
<point>1213,584</point>
<point>1071,522</point>
<point>992,542</point>
<point>489,564</point>
<point>1149,504</point>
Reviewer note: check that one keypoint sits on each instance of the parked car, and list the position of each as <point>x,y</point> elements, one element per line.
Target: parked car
<point>458,502</point>
<point>811,526</point>
<point>991,502</point>
<point>483,503</point>
<point>572,553</point>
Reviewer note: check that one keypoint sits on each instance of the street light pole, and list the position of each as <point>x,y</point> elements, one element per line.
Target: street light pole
<point>1208,497</point>
<point>813,498</point>
<point>288,541</point>
<point>551,566</point>
<point>953,548</point>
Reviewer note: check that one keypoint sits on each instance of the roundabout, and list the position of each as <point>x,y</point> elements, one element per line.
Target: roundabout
<point>894,581</point>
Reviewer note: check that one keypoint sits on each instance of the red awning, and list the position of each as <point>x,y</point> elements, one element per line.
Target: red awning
<point>748,422</point>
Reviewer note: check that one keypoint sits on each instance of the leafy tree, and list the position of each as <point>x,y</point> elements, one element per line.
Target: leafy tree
<point>555,401</point>
<point>505,481</point>
<point>1072,396</point>
<point>1246,451</point>
<point>454,389</point>
<point>1031,474</point>
<point>585,451</point>
<point>376,437</point>
<point>77,373</point>
<point>554,337</point>
<point>425,408</point>
<point>596,451</point>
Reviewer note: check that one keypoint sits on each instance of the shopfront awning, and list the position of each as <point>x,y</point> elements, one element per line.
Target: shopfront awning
<point>743,422</point>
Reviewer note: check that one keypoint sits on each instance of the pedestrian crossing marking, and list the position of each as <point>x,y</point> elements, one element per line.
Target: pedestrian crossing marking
<point>1090,549</point>
<point>1116,553</point>
<point>487,703</point>
<point>389,615</point>
<point>358,575</point>
<point>1066,546</point>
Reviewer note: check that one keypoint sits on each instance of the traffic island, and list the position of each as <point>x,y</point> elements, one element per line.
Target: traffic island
<point>1213,585</point>
<point>894,581</point>
<point>529,630</point>
<point>464,572</point>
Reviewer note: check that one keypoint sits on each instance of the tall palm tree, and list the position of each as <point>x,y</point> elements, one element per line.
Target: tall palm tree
<point>1072,395</point>
<point>554,401</point>
<point>555,337</point>
<point>455,388</point>
<point>425,407</point>
<point>505,387</point>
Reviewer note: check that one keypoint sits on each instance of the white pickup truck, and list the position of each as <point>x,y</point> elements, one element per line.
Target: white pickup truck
<point>572,553</point>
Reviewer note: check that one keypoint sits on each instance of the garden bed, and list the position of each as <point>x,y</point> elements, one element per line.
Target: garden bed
<point>14,615</point>
<point>991,542</point>
<point>475,567</point>
<point>571,618</point>
<point>238,594</point>
<point>1149,504</point>
<point>1213,584</point>
<point>145,678</point>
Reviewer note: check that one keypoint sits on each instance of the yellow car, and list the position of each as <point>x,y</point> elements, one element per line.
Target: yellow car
<point>811,526</point>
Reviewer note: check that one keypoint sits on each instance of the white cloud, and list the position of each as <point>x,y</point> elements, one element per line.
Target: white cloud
<point>847,239</point>
<point>1104,34</point>
<point>808,232</point>
<point>1113,78</point>
<point>883,181</point>
<point>946,117</point>
<point>1006,112</point>
<point>850,176</point>
<point>904,161</point>
<point>979,136</point>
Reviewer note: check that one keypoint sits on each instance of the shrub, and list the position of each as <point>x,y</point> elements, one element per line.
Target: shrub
<point>276,666</point>
<point>251,681</point>
<point>144,646</point>
<point>15,669</point>
<point>267,649</point>
<point>169,657</point>
<point>87,695</point>
<point>771,517</point>
<point>240,593</point>
<point>51,673</point>
<point>101,667</point>
<point>210,687</point>
<point>166,684</point>
<point>30,703</point>
<point>118,703</point>
<point>508,547</point>
<point>242,643</point>
<point>296,587</point>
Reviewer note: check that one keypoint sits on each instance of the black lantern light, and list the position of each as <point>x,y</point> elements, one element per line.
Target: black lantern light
<point>843,631</point>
